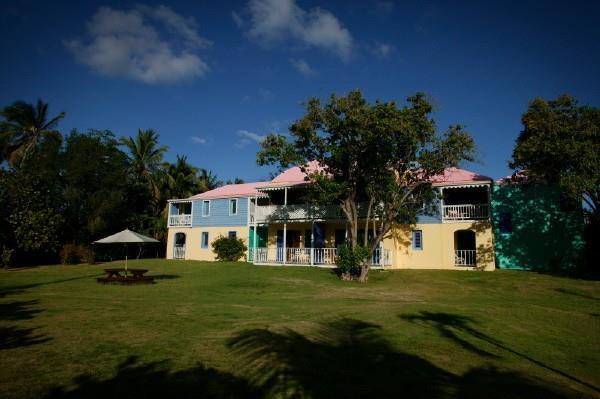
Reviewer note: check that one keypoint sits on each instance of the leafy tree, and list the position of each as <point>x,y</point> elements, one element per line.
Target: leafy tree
<point>560,144</point>
<point>375,160</point>
<point>22,128</point>
<point>96,185</point>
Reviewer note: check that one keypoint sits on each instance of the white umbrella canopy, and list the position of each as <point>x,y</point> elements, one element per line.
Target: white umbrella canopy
<point>126,237</point>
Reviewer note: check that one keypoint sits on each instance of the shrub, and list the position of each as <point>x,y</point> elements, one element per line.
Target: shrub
<point>72,254</point>
<point>229,249</point>
<point>7,257</point>
<point>349,260</point>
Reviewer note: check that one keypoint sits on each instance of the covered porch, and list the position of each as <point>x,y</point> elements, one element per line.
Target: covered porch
<point>304,244</point>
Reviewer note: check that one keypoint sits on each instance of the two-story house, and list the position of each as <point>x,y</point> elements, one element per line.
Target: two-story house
<point>281,228</point>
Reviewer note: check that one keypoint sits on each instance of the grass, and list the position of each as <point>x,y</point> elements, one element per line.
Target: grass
<point>234,330</point>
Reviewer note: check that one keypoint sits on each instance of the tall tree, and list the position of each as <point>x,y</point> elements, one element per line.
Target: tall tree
<point>183,180</point>
<point>97,188</point>
<point>207,180</point>
<point>560,144</point>
<point>375,160</point>
<point>146,155</point>
<point>22,128</point>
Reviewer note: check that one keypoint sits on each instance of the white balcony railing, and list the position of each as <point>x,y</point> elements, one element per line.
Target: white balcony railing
<point>466,212</point>
<point>465,257</point>
<point>310,256</point>
<point>180,220</point>
<point>296,212</point>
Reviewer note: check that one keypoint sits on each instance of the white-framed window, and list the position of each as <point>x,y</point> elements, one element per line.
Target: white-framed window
<point>232,235</point>
<point>206,208</point>
<point>233,206</point>
<point>417,240</point>
<point>204,240</point>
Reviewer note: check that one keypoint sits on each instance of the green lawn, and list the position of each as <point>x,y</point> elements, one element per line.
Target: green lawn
<point>235,330</point>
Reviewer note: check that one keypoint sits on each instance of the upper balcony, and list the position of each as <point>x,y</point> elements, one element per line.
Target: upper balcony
<point>305,212</point>
<point>180,213</point>
<point>465,212</point>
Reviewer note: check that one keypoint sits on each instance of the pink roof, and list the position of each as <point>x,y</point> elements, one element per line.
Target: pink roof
<point>521,176</point>
<point>292,176</point>
<point>232,190</point>
<point>458,176</point>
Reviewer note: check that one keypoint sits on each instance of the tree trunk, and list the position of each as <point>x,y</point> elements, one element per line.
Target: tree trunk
<point>364,272</point>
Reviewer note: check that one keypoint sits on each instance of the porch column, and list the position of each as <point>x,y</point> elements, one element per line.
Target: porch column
<point>285,191</point>
<point>254,244</point>
<point>442,202</point>
<point>284,243</point>
<point>312,243</point>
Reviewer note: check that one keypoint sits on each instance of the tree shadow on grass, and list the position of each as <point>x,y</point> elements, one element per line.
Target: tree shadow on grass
<point>18,289</point>
<point>165,276</point>
<point>351,359</point>
<point>13,336</point>
<point>579,294</point>
<point>449,325</point>
<point>156,380</point>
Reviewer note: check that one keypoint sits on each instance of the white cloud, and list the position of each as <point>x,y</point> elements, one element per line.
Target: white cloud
<point>247,137</point>
<point>274,21</point>
<point>382,49</point>
<point>303,67</point>
<point>131,44</point>
<point>199,140</point>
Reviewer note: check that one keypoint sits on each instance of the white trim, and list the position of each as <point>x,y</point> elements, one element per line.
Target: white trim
<point>202,210</point>
<point>236,199</point>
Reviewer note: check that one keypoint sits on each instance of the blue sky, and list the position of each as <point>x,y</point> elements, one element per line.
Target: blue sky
<point>214,77</point>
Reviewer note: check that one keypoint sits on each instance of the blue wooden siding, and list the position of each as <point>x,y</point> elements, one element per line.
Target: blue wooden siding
<point>219,213</point>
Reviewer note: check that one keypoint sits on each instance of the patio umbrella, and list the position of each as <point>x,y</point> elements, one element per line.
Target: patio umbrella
<point>126,237</point>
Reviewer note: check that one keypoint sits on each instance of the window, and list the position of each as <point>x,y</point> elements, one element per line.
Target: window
<point>204,240</point>
<point>233,203</point>
<point>417,239</point>
<point>505,222</point>
<point>232,235</point>
<point>205,208</point>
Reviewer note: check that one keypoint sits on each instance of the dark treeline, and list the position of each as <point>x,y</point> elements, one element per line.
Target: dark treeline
<point>73,189</point>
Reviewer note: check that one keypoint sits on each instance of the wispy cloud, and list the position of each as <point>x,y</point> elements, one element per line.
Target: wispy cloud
<point>275,21</point>
<point>147,44</point>
<point>382,50</point>
<point>303,67</point>
<point>199,140</point>
<point>246,137</point>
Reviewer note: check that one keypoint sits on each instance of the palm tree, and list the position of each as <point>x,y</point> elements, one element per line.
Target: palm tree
<point>208,181</point>
<point>145,156</point>
<point>183,178</point>
<point>22,128</point>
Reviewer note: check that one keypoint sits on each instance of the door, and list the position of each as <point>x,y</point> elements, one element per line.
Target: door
<point>279,256</point>
<point>179,247</point>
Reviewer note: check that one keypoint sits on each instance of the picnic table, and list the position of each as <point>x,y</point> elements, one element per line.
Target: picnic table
<point>129,276</point>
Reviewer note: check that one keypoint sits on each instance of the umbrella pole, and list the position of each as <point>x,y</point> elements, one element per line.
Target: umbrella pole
<point>125,260</point>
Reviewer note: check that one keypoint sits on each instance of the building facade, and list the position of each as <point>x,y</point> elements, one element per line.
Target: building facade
<point>280,228</point>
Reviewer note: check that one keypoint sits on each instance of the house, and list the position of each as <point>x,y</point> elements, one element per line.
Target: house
<point>535,227</point>
<point>280,228</point>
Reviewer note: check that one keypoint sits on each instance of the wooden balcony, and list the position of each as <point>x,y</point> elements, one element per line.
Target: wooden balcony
<point>466,212</point>
<point>180,221</point>
<point>272,213</point>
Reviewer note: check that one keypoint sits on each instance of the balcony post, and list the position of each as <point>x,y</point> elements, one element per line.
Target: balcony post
<point>312,243</point>
<point>284,243</point>
<point>442,202</point>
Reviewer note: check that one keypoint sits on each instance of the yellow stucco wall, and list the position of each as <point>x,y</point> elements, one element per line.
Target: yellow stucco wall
<point>438,245</point>
<point>437,252</point>
<point>193,249</point>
